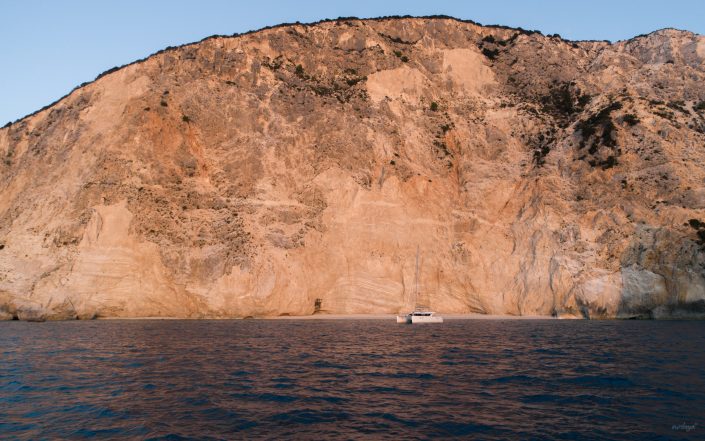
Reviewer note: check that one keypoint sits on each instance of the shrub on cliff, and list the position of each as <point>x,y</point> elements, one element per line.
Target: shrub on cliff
<point>601,120</point>
<point>491,54</point>
<point>630,119</point>
<point>696,224</point>
<point>354,81</point>
<point>401,56</point>
<point>679,106</point>
<point>610,162</point>
<point>299,71</point>
<point>489,39</point>
<point>109,71</point>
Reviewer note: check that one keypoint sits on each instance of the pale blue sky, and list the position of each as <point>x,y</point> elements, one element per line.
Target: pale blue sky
<point>48,47</point>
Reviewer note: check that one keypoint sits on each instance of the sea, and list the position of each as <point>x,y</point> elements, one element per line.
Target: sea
<point>352,379</point>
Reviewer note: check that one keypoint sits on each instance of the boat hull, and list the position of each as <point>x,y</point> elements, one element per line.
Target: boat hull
<point>417,320</point>
<point>403,319</point>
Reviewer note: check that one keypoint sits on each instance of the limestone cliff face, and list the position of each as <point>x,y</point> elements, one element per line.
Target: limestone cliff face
<point>252,175</point>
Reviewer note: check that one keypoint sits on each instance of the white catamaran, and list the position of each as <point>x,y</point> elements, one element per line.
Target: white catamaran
<point>421,312</point>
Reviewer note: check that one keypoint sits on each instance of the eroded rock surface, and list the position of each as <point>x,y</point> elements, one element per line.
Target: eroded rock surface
<point>251,175</point>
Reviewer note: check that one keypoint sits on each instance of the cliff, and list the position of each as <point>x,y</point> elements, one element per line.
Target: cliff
<point>251,175</point>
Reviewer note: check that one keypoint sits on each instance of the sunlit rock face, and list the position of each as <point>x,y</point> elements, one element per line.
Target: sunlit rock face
<point>252,175</point>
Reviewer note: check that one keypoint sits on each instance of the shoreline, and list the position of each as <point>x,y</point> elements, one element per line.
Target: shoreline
<point>472,316</point>
<point>390,317</point>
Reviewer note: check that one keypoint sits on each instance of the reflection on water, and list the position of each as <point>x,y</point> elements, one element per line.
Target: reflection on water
<point>352,379</point>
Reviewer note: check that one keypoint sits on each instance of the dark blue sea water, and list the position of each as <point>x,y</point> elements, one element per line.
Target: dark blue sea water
<point>361,379</point>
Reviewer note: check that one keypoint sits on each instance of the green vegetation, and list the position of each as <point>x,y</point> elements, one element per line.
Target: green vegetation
<point>442,149</point>
<point>701,237</point>
<point>489,39</point>
<point>185,119</point>
<point>540,155</point>
<point>601,120</point>
<point>600,128</point>
<point>395,39</point>
<point>679,106</point>
<point>665,114</point>
<point>491,54</point>
<point>630,119</point>
<point>434,106</point>
<point>564,99</point>
<point>610,162</point>
<point>109,71</point>
<point>401,56</point>
<point>163,103</point>
<point>700,106</point>
<point>322,90</point>
<point>274,64</point>
<point>354,81</point>
<point>542,146</point>
<point>336,87</point>
<point>583,100</point>
<point>299,71</point>
<point>700,227</point>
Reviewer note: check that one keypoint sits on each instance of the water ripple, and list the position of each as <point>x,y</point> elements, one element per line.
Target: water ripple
<point>176,380</point>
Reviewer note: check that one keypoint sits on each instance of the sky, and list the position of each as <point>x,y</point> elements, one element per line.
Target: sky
<point>48,47</point>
